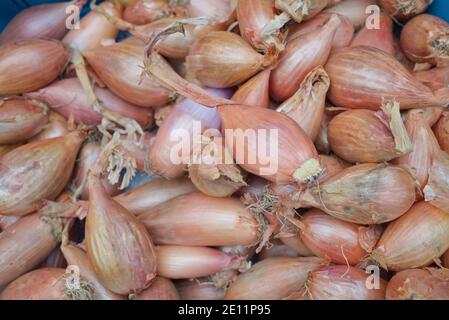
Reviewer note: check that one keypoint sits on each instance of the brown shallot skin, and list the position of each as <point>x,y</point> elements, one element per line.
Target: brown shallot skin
<point>400,248</point>
<point>404,10</point>
<point>435,78</point>
<point>425,39</point>
<point>354,10</point>
<point>419,284</point>
<point>362,194</point>
<point>119,67</point>
<point>24,245</point>
<point>425,146</point>
<point>37,171</point>
<point>442,131</point>
<point>445,259</point>
<point>255,91</point>
<point>160,289</point>
<point>154,193</point>
<point>4,149</point>
<point>6,221</point>
<point>120,249</point>
<point>361,78</point>
<point>145,11</point>
<point>273,278</point>
<point>294,242</point>
<point>302,55</point>
<point>436,192</point>
<point>216,10</point>
<point>20,120</point>
<point>46,21</point>
<point>57,126</point>
<point>139,152</point>
<point>335,240</point>
<point>343,283</point>
<point>278,249</point>
<point>27,65</point>
<point>197,290</point>
<point>198,220</point>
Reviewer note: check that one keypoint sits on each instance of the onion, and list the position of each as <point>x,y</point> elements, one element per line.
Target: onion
<point>294,242</point>
<point>93,29</point>
<point>123,264</point>
<point>47,21</point>
<point>405,9</point>
<point>425,38</point>
<point>216,10</point>
<point>299,10</point>
<point>223,59</point>
<point>368,136</point>
<point>442,131</point>
<point>306,106</point>
<point>381,38</point>
<point>195,290</point>
<point>57,126</point>
<point>119,67</point>
<point>437,189</point>
<point>322,141</point>
<point>425,146</point>
<point>272,279</point>
<point>254,189</point>
<point>4,149</point>
<point>36,171</point>
<point>145,11</point>
<point>419,284</point>
<point>302,55</point>
<point>47,284</point>
<point>255,91</point>
<point>161,289</point>
<point>343,283</point>
<point>354,10</point>
<point>183,117</point>
<point>277,249</point>
<point>400,248</point>
<point>362,194</point>
<point>154,193</point>
<point>6,221</point>
<point>198,220</point>
<point>445,259</point>
<point>335,240</point>
<point>362,76</point>
<point>343,35</point>
<point>25,244</point>
<point>20,120</point>
<point>139,152</point>
<point>253,16</point>
<point>76,256</point>
<point>27,65</point>
<point>183,262</point>
<point>435,78</point>
<point>54,260</point>
<point>67,98</point>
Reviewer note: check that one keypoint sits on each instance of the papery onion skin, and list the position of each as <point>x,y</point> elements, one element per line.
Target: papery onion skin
<point>302,55</point>
<point>425,38</point>
<point>343,35</point>
<point>436,192</point>
<point>124,265</point>
<point>425,146</point>
<point>216,10</point>
<point>40,284</point>
<point>199,220</point>
<point>362,194</point>
<point>404,10</point>
<point>93,28</point>
<point>354,10</point>
<point>160,289</point>
<point>435,78</point>
<point>27,65</point>
<point>67,98</point>
<point>445,259</point>
<point>185,262</point>
<point>6,221</point>
<point>277,249</point>
<point>331,239</point>
<point>154,193</point>
<point>54,260</point>
<point>343,283</point>
<point>298,245</point>
<point>4,149</point>
<point>223,59</point>
<point>196,290</point>
<point>37,171</point>
<point>322,141</point>
<point>76,256</point>
<point>20,120</point>
<point>442,131</point>
<point>361,78</point>
<point>24,245</point>
<point>418,284</point>
<point>399,248</point>
<point>145,11</point>
<point>255,91</point>
<point>381,38</point>
<point>119,67</point>
<point>272,279</point>
<point>46,21</point>
<point>57,126</point>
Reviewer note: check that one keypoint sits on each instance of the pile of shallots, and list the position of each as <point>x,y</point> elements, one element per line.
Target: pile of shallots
<point>355,91</point>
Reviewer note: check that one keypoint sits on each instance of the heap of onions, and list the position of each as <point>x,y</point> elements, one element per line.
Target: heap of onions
<point>225,150</point>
